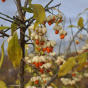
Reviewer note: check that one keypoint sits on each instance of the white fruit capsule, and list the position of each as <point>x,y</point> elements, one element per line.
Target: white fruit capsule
<point>52,43</point>
<point>26,58</point>
<point>36,37</point>
<point>48,18</point>
<point>61,32</point>
<point>59,27</point>
<point>36,28</point>
<point>40,37</point>
<point>44,30</point>
<point>48,44</point>
<point>40,29</point>
<point>33,34</point>
<point>31,27</point>
<point>86,74</point>
<point>47,65</point>
<point>35,59</point>
<point>64,32</point>
<point>53,54</point>
<point>49,87</point>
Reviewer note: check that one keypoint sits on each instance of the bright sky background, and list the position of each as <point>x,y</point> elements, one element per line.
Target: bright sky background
<point>70,8</point>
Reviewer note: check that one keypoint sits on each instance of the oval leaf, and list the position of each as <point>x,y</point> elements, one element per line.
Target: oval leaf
<point>2,84</point>
<point>67,66</point>
<point>14,50</point>
<point>39,13</point>
<point>4,27</point>
<point>80,22</point>
<point>2,56</point>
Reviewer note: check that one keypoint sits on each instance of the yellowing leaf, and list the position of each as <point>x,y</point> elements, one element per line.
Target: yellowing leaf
<point>13,27</point>
<point>67,66</point>
<point>54,86</point>
<point>27,9</point>
<point>2,84</point>
<point>2,56</point>
<point>14,50</point>
<point>28,84</point>
<point>30,2</point>
<point>28,68</point>
<point>71,26</point>
<point>4,27</point>
<point>81,59</point>
<point>39,13</point>
<point>80,22</point>
<point>26,49</point>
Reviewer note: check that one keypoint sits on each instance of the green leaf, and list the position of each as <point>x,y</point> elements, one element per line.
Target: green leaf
<point>28,84</point>
<point>80,22</point>
<point>71,26</point>
<point>54,86</point>
<point>14,50</point>
<point>30,2</point>
<point>2,84</point>
<point>28,69</point>
<point>67,67</point>
<point>27,9</point>
<point>81,59</point>
<point>26,49</point>
<point>39,13</point>
<point>13,27</point>
<point>4,27</point>
<point>2,56</point>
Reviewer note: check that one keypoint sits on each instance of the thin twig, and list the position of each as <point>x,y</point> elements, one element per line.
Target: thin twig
<point>6,15</point>
<point>25,5</point>
<point>72,36</point>
<point>48,3</point>
<point>52,7</point>
<point>66,53</point>
<point>4,34</point>
<point>6,19</point>
<point>21,15</point>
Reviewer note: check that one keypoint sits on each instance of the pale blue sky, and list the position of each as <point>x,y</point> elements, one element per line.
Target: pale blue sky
<point>69,7</point>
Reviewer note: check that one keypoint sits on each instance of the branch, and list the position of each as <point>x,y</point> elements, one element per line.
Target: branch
<point>4,34</point>
<point>52,7</point>
<point>25,5</point>
<point>72,36</point>
<point>48,3</point>
<point>18,3</point>
<point>6,15</point>
<point>52,79</point>
<point>66,53</point>
<point>6,19</point>
<point>46,9</point>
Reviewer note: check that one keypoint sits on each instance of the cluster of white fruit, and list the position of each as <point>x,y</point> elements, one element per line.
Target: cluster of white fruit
<point>44,65</point>
<point>36,87</point>
<point>76,77</point>
<point>40,41</point>
<point>41,62</point>
<point>53,19</point>
<point>44,62</point>
<point>39,79</point>
<point>60,60</point>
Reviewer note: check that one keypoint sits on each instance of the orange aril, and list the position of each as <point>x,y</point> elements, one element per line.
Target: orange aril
<point>3,0</point>
<point>62,36</point>
<point>56,31</point>
<point>36,82</point>
<point>37,41</point>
